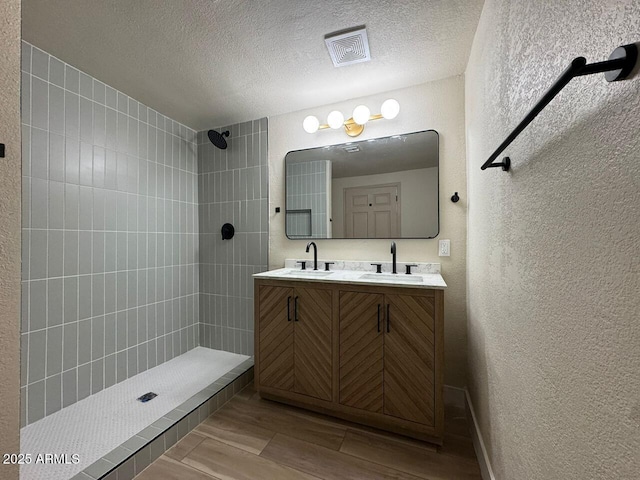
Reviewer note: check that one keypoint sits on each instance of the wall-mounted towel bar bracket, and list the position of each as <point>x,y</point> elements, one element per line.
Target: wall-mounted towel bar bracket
<point>621,65</point>
<point>505,164</point>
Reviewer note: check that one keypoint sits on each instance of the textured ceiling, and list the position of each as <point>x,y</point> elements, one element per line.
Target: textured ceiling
<point>209,63</point>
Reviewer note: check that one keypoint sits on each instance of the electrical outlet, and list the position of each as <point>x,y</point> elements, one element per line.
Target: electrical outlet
<point>444,248</point>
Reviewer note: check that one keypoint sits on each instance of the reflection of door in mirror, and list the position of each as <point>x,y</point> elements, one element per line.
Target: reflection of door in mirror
<point>317,179</point>
<point>372,211</point>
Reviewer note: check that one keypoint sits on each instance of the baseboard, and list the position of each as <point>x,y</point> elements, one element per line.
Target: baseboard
<point>478,442</point>
<point>454,396</point>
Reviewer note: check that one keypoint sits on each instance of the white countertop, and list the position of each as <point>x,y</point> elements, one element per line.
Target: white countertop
<point>418,280</point>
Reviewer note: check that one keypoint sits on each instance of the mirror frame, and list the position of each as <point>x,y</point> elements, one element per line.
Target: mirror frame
<point>361,141</point>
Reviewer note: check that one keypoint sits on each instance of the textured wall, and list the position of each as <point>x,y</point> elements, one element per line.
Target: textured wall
<point>10,236</point>
<point>110,274</point>
<point>553,247</point>
<point>232,188</point>
<point>435,105</point>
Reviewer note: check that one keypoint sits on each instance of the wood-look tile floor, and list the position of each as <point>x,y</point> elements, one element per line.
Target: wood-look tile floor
<point>252,438</point>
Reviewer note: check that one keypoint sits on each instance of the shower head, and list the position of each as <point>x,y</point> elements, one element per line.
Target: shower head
<point>218,138</point>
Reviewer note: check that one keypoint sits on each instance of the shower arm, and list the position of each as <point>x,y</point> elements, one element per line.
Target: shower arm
<point>620,66</point>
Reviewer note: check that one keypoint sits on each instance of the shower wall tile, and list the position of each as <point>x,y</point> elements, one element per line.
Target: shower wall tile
<point>110,230</point>
<point>69,387</point>
<point>307,199</point>
<point>232,187</point>
<point>53,394</point>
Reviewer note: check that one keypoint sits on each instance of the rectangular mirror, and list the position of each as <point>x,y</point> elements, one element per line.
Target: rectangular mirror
<point>379,188</point>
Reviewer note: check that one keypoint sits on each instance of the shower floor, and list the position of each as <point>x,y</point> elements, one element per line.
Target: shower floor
<point>96,425</point>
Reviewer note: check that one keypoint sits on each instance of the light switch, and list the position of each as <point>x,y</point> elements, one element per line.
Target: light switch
<point>444,248</point>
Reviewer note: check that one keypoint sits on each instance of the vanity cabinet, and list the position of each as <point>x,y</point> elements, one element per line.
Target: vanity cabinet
<point>294,328</point>
<point>387,353</point>
<point>276,337</point>
<point>409,357</point>
<point>361,350</point>
<point>371,354</point>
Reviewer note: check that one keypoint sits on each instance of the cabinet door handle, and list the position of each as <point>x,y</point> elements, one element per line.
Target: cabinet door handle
<point>378,318</point>
<point>288,308</point>
<point>295,309</point>
<point>388,318</point>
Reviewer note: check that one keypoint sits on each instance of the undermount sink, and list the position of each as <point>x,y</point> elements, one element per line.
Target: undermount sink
<point>310,273</point>
<point>392,278</point>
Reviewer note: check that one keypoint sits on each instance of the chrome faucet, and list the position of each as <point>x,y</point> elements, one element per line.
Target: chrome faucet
<point>393,256</point>
<point>315,254</point>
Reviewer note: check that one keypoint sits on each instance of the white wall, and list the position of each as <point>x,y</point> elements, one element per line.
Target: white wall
<point>554,245</point>
<point>436,105</point>
<point>10,185</point>
<point>418,200</point>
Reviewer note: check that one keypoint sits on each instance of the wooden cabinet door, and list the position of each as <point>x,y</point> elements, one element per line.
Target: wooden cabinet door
<point>313,342</point>
<point>409,358</point>
<point>276,337</point>
<point>361,342</point>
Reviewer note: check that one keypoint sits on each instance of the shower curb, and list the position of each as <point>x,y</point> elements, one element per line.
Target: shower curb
<point>137,453</point>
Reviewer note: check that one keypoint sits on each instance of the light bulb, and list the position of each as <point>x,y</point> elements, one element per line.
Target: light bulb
<point>311,124</point>
<point>361,114</point>
<point>335,119</point>
<point>390,109</point>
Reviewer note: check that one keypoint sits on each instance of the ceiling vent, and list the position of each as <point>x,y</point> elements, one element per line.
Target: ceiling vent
<point>347,48</point>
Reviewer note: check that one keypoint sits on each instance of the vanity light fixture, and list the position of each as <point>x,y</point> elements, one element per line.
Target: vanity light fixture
<point>353,126</point>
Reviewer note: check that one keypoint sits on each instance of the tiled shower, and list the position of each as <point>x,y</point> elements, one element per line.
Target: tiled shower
<point>232,185</point>
<point>308,187</point>
<point>123,264</point>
